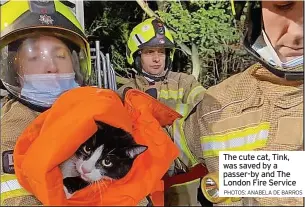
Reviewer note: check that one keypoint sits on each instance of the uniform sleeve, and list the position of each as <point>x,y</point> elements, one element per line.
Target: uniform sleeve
<point>191,128</point>
<point>192,134</point>
<point>120,91</point>
<point>14,119</point>
<point>186,135</point>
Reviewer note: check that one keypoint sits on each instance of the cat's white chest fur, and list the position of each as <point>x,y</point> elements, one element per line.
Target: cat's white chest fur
<point>68,168</point>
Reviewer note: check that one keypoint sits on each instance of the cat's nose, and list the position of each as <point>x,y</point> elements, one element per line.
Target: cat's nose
<point>85,170</point>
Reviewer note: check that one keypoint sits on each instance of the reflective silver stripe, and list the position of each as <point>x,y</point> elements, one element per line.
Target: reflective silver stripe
<point>185,155</point>
<point>10,185</point>
<point>136,40</point>
<point>194,92</point>
<point>177,141</point>
<point>246,139</point>
<point>236,142</point>
<point>141,38</point>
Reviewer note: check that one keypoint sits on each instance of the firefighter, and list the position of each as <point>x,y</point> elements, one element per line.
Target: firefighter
<point>260,108</point>
<point>44,53</point>
<point>150,50</point>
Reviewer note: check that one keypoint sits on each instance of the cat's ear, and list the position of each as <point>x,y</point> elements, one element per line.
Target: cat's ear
<point>100,125</point>
<point>135,150</point>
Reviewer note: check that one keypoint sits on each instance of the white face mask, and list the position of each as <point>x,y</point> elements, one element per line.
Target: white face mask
<point>264,48</point>
<point>44,89</point>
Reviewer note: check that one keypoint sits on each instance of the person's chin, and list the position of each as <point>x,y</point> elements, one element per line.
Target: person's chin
<point>289,54</point>
<point>155,71</point>
<point>291,58</point>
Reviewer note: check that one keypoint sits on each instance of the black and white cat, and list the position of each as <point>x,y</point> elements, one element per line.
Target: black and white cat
<point>108,154</point>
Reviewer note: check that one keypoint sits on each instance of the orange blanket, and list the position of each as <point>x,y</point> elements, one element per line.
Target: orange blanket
<point>57,133</point>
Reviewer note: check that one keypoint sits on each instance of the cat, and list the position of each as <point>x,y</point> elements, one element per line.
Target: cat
<point>108,154</point>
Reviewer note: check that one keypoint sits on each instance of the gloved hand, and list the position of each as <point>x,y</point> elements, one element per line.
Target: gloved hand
<point>152,92</point>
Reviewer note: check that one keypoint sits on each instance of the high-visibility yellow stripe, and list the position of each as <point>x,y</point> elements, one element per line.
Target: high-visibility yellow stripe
<point>7,177</point>
<point>10,188</point>
<point>186,155</point>
<point>172,94</point>
<point>236,134</point>
<point>177,140</point>
<point>13,194</point>
<point>182,109</point>
<point>246,147</point>
<point>185,147</point>
<point>239,141</point>
<point>194,93</point>
<point>246,139</point>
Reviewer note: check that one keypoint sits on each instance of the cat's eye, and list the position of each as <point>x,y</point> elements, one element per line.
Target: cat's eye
<point>106,162</point>
<point>87,149</point>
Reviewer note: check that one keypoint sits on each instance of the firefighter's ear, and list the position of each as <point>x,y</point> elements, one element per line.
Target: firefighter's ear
<point>137,63</point>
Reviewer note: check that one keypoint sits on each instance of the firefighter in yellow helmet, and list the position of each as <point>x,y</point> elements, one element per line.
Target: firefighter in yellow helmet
<point>260,108</point>
<point>44,53</point>
<point>150,50</point>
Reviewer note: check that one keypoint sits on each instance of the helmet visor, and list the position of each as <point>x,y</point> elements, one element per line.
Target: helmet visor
<point>38,67</point>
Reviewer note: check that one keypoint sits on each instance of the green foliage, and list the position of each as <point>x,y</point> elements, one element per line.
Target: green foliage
<point>207,24</point>
<point>112,22</point>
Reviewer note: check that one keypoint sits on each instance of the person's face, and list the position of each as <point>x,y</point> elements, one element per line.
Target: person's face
<point>283,23</point>
<point>153,60</point>
<point>43,55</point>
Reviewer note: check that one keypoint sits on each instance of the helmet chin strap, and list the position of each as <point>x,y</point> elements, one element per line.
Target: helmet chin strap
<point>264,48</point>
<point>264,53</point>
<point>155,78</point>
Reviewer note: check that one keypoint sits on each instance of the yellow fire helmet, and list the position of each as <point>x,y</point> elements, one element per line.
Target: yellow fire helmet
<point>256,42</point>
<point>149,33</point>
<point>41,38</point>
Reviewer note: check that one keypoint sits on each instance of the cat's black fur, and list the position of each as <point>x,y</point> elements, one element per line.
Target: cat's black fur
<point>75,183</point>
<point>119,148</point>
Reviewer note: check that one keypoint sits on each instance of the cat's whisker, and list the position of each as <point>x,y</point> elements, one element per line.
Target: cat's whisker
<point>100,191</point>
<point>95,149</point>
<point>74,158</point>
<point>104,183</point>
<point>102,186</point>
<point>92,184</point>
<point>109,153</point>
<point>92,192</point>
<point>109,178</point>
